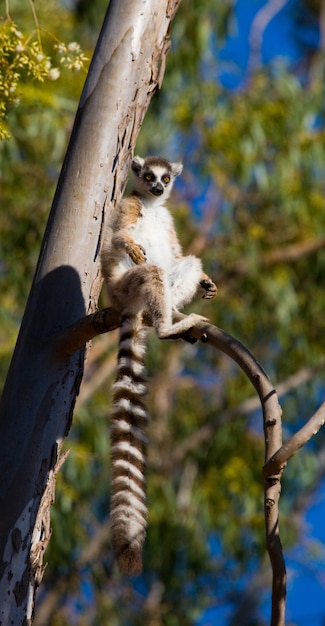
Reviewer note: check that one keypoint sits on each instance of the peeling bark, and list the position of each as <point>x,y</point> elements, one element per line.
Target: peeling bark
<point>43,381</point>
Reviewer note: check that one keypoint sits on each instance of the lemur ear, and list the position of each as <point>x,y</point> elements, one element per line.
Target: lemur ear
<point>136,164</point>
<point>177,168</point>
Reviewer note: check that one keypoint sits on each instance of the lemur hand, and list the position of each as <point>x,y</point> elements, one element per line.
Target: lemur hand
<point>136,252</point>
<point>210,288</point>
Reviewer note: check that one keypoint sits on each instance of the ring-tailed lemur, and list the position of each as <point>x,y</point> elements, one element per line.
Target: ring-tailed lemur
<point>147,278</point>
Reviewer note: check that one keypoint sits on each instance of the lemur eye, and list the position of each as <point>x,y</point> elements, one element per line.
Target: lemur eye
<point>166,179</point>
<point>148,177</point>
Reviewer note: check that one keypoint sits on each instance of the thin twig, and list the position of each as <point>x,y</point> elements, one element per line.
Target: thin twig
<point>283,454</point>
<point>7,10</point>
<point>36,22</point>
<point>285,254</point>
<point>255,38</point>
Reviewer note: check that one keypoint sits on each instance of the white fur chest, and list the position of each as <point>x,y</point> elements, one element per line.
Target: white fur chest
<point>152,230</point>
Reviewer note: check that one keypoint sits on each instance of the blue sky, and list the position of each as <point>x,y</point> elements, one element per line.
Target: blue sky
<point>284,38</point>
<point>306,577</point>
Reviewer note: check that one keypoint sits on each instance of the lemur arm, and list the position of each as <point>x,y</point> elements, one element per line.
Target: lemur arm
<point>128,212</point>
<point>123,241</point>
<point>175,245</point>
<point>210,289</point>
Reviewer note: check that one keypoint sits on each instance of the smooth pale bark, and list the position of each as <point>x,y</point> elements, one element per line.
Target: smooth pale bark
<point>39,396</point>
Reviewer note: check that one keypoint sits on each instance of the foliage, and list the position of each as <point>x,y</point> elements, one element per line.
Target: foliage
<point>23,57</point>
<point>29,163</point>
<point>251,203</point>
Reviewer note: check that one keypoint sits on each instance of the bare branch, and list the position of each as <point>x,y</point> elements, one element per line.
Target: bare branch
<point>261,20</point>
<point>273,440</point>
<point>282,456</point>
<point>293,252</point>
<point>284,254</point>
<point>76,335</point>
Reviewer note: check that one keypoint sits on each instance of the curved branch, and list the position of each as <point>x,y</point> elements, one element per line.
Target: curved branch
<point>108,319</point>
<point>276,454</point>
<point>76,335</point>
<point>273,440</point>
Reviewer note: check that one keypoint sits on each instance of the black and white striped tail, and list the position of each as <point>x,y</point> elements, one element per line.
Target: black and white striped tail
<point>128,449</point>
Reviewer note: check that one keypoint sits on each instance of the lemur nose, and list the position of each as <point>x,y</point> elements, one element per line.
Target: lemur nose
<point>158,189</point>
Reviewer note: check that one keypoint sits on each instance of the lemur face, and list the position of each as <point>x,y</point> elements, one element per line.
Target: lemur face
<point>156,179</point>
<point>154,176</point>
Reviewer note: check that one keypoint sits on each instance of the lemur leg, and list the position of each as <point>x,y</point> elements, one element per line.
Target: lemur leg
<point>146,288</point>
<point>184,280</point>
<point>160,302</point>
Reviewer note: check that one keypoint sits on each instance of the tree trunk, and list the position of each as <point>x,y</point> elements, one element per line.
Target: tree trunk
<point>40,391</point>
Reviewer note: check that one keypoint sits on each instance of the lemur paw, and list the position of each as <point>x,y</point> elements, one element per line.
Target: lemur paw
<point>136,253</point>
<point>209,287</point>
